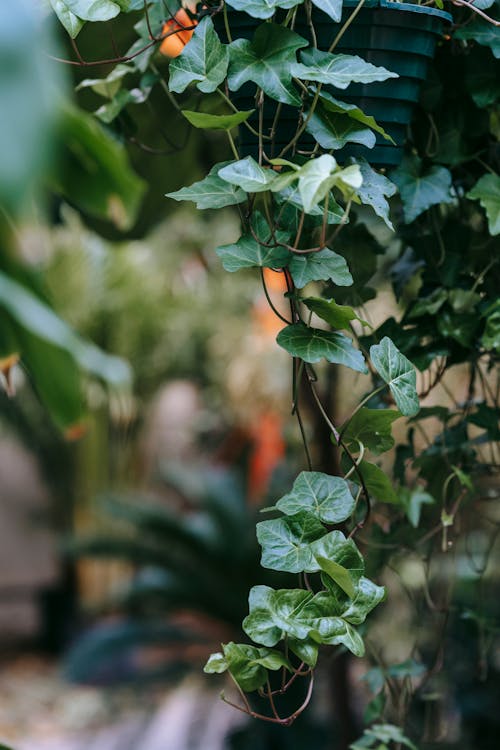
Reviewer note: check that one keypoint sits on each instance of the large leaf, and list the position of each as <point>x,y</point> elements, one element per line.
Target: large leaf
<point>204,61</point>
<point>337,70</point>
<point>481,32</point>
<point>313,344</point>
<point>248,175</point>
<point>211,192</point>
<point>366,596</point>
<point>338,316</point>
<point>333,131</point>
<point>324,265</point>
<point>326,497</point>
<point>487,192</point>
<point>249,253</point>
<point>207,121</point>
<point>95,173</point>
<point>266,61</point>
<point>374,191</point>
<point>335,548</point>
<point>286,541</point>
<point>372,428</point>
<point>30,95</point>
<point>335,106</point>
<point>420,188</point>
<point>71,23</point>
<point>90,10</point>
<point>377,482</point>
<point>275,613</point>
<point>262,8</point>
<point>332,7</point>
<point>399,374</point>
<point>316,178</point>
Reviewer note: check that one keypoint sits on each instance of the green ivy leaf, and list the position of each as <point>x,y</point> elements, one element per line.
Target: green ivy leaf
<point>204,61</point>
<point>377,482</point>
<point>291,197</point>
<point>312,344</point>
<point>366,597</point>
<point>241,661</point>
<point>374,191</point>
<point>337,573</point>
<point>372,428</point>
<point>248,252</point>
<point>262,8</point>
<point>69,20</point>
<point>399,374</point>
<point>89,10</point>
<point>275,613</point>
<point>338,316</point>
<point>206,121</point>
<point>333,8</point>
<point>325,265</point>
<point>326,497</point>
<point>211,192</point>
<point>412,501</point>
<point>216,664</point>
<point>351,110</point>
<point>286,541</point>
<point>481,32</point>
<point>337,70</point>
<point>306,650</point>
<point>333,131</point>
<point>109,86</point>
<point>421,188</point>
<point>266,61</point>
<point>248,175</point>
<point>487,192</point>
<point>335,548</point>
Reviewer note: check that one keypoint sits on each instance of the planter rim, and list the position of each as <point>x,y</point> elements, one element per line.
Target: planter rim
<point>408,7</point>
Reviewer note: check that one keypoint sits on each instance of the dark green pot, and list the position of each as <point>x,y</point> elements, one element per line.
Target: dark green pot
<point>398,36</point>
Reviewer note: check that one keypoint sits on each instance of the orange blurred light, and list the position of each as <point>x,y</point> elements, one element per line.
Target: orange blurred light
<point>179,28</point>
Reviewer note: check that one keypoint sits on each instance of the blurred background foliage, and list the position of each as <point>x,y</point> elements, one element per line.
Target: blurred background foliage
<point>108,292</point>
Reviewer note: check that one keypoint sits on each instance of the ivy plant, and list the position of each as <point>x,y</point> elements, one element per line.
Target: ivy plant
<point>304,212</point>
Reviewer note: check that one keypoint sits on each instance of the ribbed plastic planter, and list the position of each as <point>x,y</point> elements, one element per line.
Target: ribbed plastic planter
<point>399,36</point>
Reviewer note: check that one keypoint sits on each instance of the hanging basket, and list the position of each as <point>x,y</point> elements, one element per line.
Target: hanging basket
<point>398,36</point>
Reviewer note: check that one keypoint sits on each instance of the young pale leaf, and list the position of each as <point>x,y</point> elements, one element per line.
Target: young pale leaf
<point>290,196</point>
<point>338,316</point>
<point>211,192</point>
<point>374,191</point>
<point>266,61</point>
<point>107,87</point>
<point>337,70</point>
<point>421,188</point>
<point>399,374</point>
<point>326,497</point>
<point>204,61</point>
<point>324,265</point>
<point>372,428</point>
<point>248,175</point>
<point>92,10</point>
<point>487,192</point>
<point>312,344</point>
<point>216,664</point>
<point>333,8</point>
<point>413,501</point>
<point>286,541</point>
<point>71,23</point>
<point>207,121</point>
<point>262,8</point>
<point>315,180</point>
